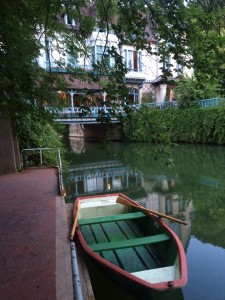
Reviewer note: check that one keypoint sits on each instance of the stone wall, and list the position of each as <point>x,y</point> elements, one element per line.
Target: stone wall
<point>9,148</point>
<point>96,131</point>
<point>76,130</point>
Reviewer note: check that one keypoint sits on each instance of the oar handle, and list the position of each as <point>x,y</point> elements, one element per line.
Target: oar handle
<point>75,221</point>
<point>124,201</point>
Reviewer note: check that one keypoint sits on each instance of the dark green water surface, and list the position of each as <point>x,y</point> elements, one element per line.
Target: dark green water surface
<point>189,183</point>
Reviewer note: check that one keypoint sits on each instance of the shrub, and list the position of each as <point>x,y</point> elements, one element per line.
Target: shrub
<point>190,125</point>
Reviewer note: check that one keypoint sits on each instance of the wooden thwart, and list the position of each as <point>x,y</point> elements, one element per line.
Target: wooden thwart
<point>129,243</point>
<point>111,218</point>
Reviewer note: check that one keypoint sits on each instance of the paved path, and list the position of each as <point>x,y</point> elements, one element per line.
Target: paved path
<point>34,249</point>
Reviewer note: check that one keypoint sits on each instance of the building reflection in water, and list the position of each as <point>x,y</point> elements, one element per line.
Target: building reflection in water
<point>168,201</point>
<point>101,177</point>
<point>155,192</point>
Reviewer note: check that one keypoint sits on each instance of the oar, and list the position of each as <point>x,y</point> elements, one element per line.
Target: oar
<point>75,221</point>
<point>124,201</point>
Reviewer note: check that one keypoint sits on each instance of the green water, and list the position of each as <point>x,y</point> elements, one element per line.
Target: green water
<point>187,182</point>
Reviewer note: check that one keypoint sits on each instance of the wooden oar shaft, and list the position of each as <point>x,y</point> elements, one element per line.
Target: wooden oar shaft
<point>75,222</point>
<point>124,201</point>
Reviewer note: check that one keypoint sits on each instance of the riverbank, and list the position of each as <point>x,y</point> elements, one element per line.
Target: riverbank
<point>35,255</point>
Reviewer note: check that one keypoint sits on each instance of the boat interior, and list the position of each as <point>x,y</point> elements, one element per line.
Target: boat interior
<point>128,239</point>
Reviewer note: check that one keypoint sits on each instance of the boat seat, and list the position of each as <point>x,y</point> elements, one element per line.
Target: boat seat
<point>158,275</point>
<point>129,243</point>
<point>112,218</point>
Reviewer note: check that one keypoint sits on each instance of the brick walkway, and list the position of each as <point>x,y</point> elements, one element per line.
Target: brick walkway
<point>30,265</point>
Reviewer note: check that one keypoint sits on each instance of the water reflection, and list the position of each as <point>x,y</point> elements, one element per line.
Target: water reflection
<point>97,178</point>
<point>154,190</point>
<point>193,189</point>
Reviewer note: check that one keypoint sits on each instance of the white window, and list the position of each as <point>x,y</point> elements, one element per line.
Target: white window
<point>69,21</point>
<point>48,54</point>
<point>167,63</point>
<point>133,95</point>
<point>100,54</point>
<point>180,69</point>
<point>133,60</point>
<point>71,60</point>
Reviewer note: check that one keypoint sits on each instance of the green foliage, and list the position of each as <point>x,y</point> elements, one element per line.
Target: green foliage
<point>207,39</point>
<point>191,125</point>
<point>189,89</point>
<point>34,131</point>
<point>192,33</point>
<point>22,80</point>
<point>147,98</point>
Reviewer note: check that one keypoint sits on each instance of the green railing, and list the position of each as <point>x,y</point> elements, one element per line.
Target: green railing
<point>210,102</point>
<point>205,103</point>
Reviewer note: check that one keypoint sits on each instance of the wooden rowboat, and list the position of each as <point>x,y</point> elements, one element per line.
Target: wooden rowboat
<point>135,248</point>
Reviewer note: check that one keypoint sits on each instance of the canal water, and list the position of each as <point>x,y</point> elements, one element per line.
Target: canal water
<point>187,182</point>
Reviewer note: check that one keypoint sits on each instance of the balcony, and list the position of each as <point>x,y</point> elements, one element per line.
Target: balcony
<point>56,69</point>
<point>135,78</point>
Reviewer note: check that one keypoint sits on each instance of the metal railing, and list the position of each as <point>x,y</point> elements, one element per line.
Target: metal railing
<point>57,69</point>
<point>161,105</point>
<point>94,111</point>
<point>209,102</point>
<point>25,153</point>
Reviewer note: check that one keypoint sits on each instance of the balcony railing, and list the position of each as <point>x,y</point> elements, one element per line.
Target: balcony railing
<point>120,110</point>
<point>56,69</point>
<point>92,110</point>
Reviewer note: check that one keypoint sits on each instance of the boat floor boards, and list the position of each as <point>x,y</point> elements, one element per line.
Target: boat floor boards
<point>119,240</point>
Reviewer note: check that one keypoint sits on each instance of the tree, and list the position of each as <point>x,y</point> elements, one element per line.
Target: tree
<point>193,32</point>
<point>188,89</point>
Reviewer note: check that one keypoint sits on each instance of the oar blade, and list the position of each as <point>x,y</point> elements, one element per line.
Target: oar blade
<point>123,201</point>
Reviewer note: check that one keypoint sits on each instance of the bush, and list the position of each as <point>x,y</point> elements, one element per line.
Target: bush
<point>190,125</point>
<point>34,130</point>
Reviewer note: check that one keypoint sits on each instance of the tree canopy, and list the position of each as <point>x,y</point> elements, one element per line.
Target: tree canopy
<point>192,31</point>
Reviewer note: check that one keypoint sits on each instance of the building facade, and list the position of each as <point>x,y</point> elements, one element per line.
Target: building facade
<point>143,79</point>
